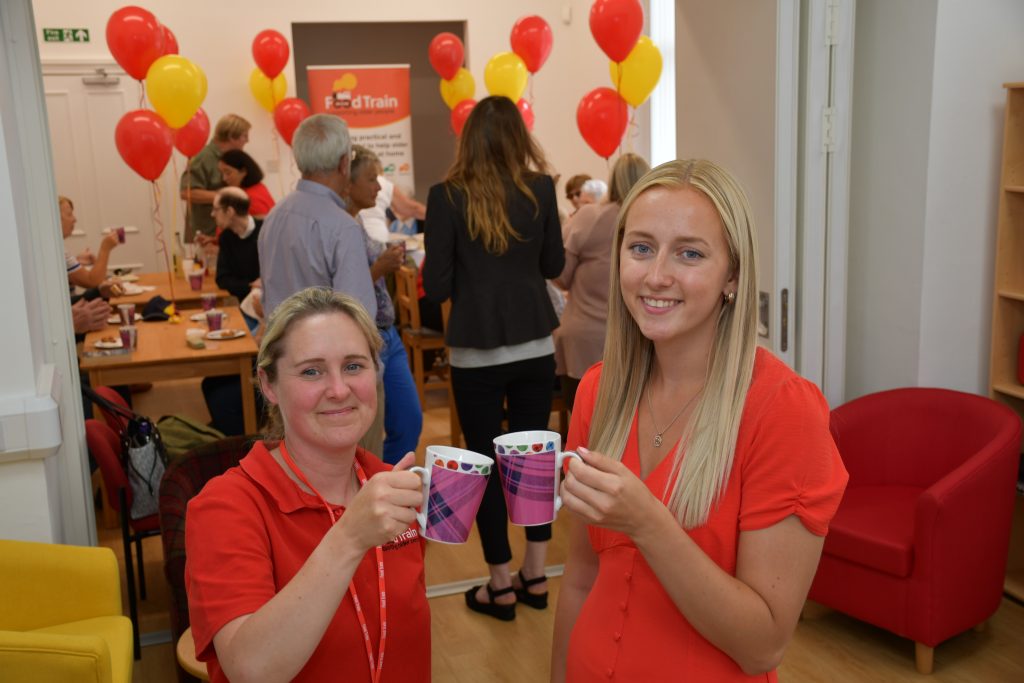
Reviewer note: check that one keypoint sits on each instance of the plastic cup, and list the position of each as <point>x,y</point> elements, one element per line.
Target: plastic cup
<point>195,280</point>
<point>208,301</point>
<point>214,320</point>
<point>120,235</point>
<point>129,336</point>
<point>126,313</point>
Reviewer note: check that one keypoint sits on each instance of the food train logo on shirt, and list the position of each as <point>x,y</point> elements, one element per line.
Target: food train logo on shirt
<point>343,97</point>
<point>410,535</point>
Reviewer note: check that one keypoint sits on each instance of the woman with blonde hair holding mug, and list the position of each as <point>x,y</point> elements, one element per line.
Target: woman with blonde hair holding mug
<point>710,475</point>
<point>291,554</point>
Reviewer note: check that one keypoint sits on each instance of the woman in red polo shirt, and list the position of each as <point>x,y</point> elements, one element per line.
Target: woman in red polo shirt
<point>291,554</point>
<point>707,499</point>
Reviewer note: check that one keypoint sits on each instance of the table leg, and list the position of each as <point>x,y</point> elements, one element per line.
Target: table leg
<point>248,398</point>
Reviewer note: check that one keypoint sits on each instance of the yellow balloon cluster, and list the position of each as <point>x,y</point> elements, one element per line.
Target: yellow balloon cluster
<point>176,88</point>
<point>267,92</point>
<point>636,75</point>
<point>506,75</point>
<point>458,88</point>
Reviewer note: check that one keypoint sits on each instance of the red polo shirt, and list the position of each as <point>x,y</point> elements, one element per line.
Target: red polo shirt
<point>250,531</point>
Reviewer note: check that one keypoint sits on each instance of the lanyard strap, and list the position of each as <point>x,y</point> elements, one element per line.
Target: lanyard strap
<point>375,667</point>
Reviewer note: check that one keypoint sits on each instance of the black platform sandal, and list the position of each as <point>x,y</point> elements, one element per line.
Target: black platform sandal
<point>492,609</point>
<point>534,600</point>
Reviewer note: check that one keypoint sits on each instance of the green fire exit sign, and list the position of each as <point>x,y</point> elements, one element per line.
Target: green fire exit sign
<point>66,35</point>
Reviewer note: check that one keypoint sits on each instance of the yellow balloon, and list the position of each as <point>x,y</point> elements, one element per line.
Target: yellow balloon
<point>268,93</point>
<point>457,88</point>
<point>641,70</point>
<point>506,75</point>
<point>176,88</point>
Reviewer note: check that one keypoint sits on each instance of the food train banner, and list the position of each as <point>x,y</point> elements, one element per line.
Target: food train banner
<point>374,102</point>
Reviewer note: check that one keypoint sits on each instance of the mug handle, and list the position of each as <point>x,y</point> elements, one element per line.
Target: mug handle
<point>559,459</point>
<point>421,515</point>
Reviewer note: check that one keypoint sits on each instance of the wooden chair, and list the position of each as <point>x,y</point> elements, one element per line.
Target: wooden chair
<point>418,340</point>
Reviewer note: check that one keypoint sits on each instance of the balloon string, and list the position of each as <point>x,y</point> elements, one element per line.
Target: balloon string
<point>174,205</point>
<point>618,89</point>
<point>277,158</point>
<point>633,129</point>
<point>531,90</point>
<point>188,196</point>
<point>161,244</point>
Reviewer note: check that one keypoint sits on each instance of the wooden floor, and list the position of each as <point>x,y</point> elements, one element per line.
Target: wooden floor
<point>831,648</point>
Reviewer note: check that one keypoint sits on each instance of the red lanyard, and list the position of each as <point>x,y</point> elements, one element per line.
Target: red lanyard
<point>375,669</point>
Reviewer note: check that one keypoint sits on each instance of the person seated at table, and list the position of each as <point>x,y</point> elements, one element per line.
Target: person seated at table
<point>238,260</point>
<point>574,192</point>
<point>238,169</point>
<point>78,274</point>
<point>291,553</point>
<point>403,415</point>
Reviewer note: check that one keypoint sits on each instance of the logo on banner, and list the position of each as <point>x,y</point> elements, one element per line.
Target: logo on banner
<point>344,97</point>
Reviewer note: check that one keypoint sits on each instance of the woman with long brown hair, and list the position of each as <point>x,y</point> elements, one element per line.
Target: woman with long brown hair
<point>492,238</point>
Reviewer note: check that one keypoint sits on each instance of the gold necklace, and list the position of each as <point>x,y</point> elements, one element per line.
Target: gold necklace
<point>658,432</point>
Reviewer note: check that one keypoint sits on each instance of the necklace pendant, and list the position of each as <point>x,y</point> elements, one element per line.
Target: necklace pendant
<point>657,440</point>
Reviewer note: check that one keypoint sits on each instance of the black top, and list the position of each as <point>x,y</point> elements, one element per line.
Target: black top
<point>238,262</point>
<point>496,300</point>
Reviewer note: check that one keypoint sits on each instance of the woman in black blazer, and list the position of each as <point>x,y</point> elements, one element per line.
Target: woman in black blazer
<point>492,238</point>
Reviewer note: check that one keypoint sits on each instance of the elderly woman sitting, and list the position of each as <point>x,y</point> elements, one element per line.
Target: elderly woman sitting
<point>291,554</point>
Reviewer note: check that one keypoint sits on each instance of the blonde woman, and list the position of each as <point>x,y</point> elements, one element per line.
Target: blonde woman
<point>710,475</point>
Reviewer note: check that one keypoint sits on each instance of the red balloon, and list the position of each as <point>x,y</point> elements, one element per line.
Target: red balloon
<point>270,51</point>
<point>135,39</point>
<point>602,117</point>
<point>170,42</point>
<point>445,53</point>
<point>531,39</point>
<point>193,136</point>
<point>526,109</point>
<point>288,114</point>
<point>144,142</point>
<point>616,26</point>
<point>460,113</point>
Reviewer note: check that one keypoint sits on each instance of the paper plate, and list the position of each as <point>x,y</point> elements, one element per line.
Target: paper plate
<point>108,344</point>
<point>220,335</point>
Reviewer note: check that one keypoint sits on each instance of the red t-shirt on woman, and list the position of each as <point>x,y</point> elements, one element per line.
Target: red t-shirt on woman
<point>260,201</point>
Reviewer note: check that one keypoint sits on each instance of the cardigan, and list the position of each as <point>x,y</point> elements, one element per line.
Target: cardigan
<point>497,300</point>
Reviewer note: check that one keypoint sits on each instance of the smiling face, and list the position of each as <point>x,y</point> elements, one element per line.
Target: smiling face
<point>364,187</point>
<point>326,384</point>
<point>674,266</point>
<point>232,176</point>
<point>67,219</point>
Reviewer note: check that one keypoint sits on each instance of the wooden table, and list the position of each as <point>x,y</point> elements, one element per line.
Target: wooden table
<point>162,354</point>
<point>184,295</point>
<point>186,651</point>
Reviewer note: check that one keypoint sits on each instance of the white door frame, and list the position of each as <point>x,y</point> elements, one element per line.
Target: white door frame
<point>787,86</point>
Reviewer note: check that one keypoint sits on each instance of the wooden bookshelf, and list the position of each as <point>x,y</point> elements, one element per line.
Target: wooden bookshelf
<point>1008,303</point>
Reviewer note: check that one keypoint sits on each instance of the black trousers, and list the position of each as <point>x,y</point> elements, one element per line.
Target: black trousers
<point>480,397</point>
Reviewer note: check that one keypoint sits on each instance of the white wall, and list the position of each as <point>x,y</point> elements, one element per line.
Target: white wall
<point>927,136</point>
<point>888,181</point>
<point>978,47</point>
<point>219,38</point>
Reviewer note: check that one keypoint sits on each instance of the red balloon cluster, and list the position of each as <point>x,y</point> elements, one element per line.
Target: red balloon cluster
<point>531,39</point>
<point>270,51</point>
<point>602,115</point>
<point>288,114</point>
<point>136,39</point>
<point>445,54</point>
<point>192,137</point>
<point>460,113</point>
<point>144,142</point>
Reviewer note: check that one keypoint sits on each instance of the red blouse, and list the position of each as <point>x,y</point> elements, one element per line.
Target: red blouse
<point>785,464</point>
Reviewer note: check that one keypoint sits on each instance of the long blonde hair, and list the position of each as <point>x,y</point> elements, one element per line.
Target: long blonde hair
<point>299,306</point>
<point>709,439</point>
<point>495,151</point>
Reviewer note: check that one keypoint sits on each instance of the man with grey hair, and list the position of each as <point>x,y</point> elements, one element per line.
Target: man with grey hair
<point>308,239</point>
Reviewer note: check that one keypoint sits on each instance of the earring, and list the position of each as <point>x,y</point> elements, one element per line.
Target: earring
<point>729,298</point>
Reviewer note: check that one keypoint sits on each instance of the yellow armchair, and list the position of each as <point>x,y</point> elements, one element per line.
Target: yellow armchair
<point>60,615</point>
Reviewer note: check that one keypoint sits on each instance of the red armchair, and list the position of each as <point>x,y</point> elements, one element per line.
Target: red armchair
<point>919,543</point>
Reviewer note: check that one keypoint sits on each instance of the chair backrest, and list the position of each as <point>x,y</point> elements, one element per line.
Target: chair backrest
<point>915,436</point>
<point>105,447</point>
<point>116,422</point>
<point>182,481</point>
<point>406,298</point>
